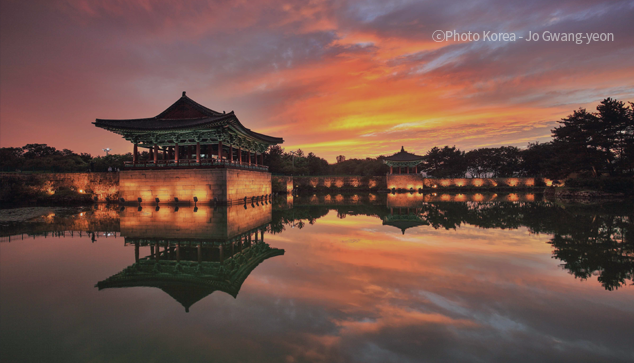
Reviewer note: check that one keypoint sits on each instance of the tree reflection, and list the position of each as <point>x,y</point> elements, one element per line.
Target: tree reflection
<point>590,240</point>
<point>601,246</point>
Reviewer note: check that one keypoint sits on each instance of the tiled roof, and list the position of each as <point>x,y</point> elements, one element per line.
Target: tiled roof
<point>184,114</point>
<point>404,156</point>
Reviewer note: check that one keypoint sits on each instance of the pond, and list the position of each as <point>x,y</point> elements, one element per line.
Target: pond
<point>322,278</point>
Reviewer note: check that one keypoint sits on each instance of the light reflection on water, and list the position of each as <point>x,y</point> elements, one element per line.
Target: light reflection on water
<point>323,278</point>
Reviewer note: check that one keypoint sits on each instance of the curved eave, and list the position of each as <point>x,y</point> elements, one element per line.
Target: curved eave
<point>239,127</point>
<point>170,125</point>
<point>158,125</point>
<point>406,159</point>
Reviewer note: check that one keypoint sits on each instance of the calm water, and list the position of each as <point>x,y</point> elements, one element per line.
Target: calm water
<point>404,278</point>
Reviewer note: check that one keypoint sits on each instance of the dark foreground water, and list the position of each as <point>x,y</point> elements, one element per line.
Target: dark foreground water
<point>405,278</point>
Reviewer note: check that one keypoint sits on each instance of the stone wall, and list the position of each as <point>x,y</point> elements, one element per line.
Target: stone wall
<point>340,182</point>
<point>226,186</point>
<point>404,181</point>
<point>105,186</point>
<point>246,183</point>
<point>282,184</point>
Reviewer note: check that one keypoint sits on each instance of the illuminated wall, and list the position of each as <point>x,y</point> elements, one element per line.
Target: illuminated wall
<point>228,186</point>
<point>404,181</point>
<point>282,184</point>
<point>105,186</point>
<point>340,182</point>
<point>409,181</point>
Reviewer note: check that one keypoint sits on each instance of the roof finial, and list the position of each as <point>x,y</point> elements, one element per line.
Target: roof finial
<point>183,93</point>
<point>402,148</point>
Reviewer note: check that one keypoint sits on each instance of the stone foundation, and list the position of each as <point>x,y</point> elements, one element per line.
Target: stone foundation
<point>404,181</point>
<point>223,186</point>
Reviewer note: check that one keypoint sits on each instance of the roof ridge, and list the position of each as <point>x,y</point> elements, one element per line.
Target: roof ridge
<point>204,110</point>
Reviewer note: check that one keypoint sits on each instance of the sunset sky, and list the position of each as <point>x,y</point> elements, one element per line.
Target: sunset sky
<point>358,78</point>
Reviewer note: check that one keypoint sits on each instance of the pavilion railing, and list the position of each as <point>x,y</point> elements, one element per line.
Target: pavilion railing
<point>191,163</point>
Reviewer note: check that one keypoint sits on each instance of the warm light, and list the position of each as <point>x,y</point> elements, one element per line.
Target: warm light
<point>81,191</point>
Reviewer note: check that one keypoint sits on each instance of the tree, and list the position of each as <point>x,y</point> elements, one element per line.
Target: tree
<point>11,157</point>
<point>596,143</point>
<point>273,158</point>
<point>316,165</point>
<point>33,151</point>
<point>540,160</point>
<point>447,162</point>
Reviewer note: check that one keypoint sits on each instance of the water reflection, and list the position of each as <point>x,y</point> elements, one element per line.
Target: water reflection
<point>589,240</point>
<point>193,253</point>
<point>363,278</point>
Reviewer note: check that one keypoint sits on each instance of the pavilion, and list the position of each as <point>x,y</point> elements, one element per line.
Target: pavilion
<point>404,181</point>
<point>194,155</point>
<point>403,159</point>
<point>189,135</point>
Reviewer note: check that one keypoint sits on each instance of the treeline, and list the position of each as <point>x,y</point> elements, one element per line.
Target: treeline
<point>585,144</point>
<point>41,157</point>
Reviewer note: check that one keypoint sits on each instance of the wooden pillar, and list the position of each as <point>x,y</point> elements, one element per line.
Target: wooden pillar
<point>262,159</point>
<point>197,152</point>
<point>135,155</point>
<point>136,251</point>
<point>230,153</point>
<point>178,252</point>
<point>155,154</point>
<point>262,235</point>
<point>391,171</point>
<point>407,169</point>
<point>150,153</point>
<point>176,149</point>
<point>416,169</point>
<point>249,153</point>
<point>200,253</point>
<point>240,155</point>
<point>220,150</point>
<point>256,158</point>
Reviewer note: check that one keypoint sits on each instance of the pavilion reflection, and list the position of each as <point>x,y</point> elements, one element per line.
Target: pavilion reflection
<point>190,253</point>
